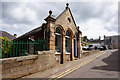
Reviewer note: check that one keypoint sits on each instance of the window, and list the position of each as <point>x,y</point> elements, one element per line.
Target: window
<point>66,43</point>
<point>69,20</point>
<point>56,41</point>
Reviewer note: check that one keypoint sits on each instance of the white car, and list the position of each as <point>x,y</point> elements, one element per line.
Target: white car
<point>85,47</point>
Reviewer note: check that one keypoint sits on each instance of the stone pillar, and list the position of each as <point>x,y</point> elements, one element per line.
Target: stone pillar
<point>50,36</point>
<point>52,40</point>
<point>63,48</point>
<point>72,48</point>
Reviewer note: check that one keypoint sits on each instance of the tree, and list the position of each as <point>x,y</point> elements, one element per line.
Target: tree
<point>5,45</point>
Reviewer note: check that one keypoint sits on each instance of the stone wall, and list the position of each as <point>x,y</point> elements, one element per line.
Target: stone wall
<point>58,57</point>
<point>25,65</point>
<point>46,59</point>
<point>67,57</point>
<point>19,66</point>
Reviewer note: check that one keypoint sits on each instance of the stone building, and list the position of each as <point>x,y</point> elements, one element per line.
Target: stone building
<point>62,35</point>
<point>112,42</point>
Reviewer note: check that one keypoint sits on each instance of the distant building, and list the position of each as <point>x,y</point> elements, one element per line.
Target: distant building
<point>6,34</point>
<point>96,42</point>
<point>112,42</point>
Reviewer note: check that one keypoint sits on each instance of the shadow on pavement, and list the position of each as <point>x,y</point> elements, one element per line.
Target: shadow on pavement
<point>111,61</point>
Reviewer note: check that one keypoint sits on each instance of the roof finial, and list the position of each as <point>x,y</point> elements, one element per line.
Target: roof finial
<point>50,12</point>
<point>50,17</point>
<point>67,4</point>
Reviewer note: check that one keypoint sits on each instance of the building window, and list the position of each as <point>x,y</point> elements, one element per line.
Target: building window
<point>68,42</point>
<point>56,41</point>
<point>69,20</point>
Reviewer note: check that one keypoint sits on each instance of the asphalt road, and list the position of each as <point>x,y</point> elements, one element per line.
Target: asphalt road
<point>100,66</point>
<point>105,66</point>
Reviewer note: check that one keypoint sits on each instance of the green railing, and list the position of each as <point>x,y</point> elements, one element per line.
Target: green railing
<point>21,48</point>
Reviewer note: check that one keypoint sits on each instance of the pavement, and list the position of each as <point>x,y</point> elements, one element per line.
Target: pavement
<point>102,64</point>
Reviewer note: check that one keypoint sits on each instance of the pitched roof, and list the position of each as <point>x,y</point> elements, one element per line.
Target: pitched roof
<point>6,34</point>
<point>71,16</point>
<point>29,33</point>
<point>96,41</point>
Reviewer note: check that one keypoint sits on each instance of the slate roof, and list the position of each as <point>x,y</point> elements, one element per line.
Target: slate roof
<point>29,33</point>
<point>6,34</point>
<point>96,41</point>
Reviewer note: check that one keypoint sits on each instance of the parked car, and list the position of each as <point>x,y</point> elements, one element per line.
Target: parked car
<point>91,47</point>
<point>85,47</point>
<point>103,48</point>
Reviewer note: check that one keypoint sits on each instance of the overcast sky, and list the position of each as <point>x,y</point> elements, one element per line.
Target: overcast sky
<point>94,18</point>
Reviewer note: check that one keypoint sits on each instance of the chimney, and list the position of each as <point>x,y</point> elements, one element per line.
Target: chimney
<point>15,35</point>
<point>99,37</point>
<point>104,36</point>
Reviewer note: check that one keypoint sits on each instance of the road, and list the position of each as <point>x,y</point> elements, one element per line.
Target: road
<point>100,66</point>
<point>103,66</point>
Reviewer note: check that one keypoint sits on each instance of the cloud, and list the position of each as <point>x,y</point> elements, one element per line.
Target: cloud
<point>19,15</point>
<point>60,0</point>
<point>94,18</point>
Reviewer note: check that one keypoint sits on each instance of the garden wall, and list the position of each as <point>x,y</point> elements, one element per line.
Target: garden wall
<point>58,57</point>
<point>25,65</point>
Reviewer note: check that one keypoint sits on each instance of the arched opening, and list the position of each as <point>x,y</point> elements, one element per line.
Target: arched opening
<point>58,44</point>
<point>68,44</point>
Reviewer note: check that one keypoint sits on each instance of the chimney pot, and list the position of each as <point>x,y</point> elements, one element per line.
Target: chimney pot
<point>15,35</point>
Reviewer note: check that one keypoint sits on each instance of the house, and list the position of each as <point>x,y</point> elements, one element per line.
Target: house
<point>112,42</point>
<point>61,34</point>
<point>6,34</point>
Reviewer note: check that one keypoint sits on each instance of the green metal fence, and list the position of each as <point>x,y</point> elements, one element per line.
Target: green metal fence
<point>21,48</point>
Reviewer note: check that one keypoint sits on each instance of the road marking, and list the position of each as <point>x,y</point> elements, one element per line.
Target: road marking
<point>75,68</point>
<point>70,69</point>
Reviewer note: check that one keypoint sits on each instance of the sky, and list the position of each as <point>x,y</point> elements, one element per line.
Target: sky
<point>94,18</point>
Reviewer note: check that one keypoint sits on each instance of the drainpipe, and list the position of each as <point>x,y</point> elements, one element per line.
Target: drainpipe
<point>44,33</point>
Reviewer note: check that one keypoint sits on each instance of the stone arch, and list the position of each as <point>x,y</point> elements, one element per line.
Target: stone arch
<point>59,39</point>
<point>70,31</point>
<point>61,28</point>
